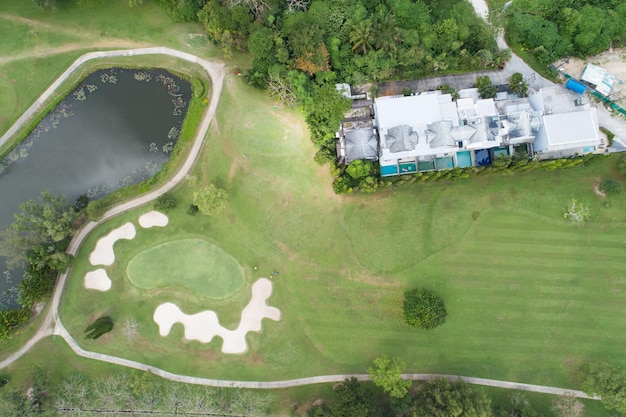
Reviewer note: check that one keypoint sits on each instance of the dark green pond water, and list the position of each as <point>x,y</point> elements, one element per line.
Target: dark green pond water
<point>116,128</point>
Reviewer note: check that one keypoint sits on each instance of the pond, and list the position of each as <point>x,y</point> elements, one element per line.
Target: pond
<point>115,129</point>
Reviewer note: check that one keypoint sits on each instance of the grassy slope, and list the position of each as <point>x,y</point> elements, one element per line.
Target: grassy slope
<point>530,296</point>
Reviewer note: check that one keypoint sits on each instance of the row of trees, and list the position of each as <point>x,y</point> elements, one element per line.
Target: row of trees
<point>552,29</point>
<point>126,394</point>
<point>435,398</point>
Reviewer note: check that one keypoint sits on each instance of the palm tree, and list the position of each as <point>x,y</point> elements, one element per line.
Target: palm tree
<point>361,37</point>
<point>386,32</point>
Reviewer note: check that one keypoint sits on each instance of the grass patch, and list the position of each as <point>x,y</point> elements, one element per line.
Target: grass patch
<point>193,263</point>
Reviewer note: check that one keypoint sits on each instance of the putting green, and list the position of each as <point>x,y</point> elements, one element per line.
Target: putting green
<point>193,263</point>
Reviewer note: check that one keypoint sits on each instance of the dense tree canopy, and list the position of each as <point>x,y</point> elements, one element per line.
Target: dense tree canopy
<point>556,28</point>
<point>442,398</point>
<point>600,378</point>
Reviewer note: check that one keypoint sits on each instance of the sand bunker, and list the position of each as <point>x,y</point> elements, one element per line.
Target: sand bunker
<point>153,218</point>
<point>205,325</point>
<point>97,280</point>
<point>103,253</point>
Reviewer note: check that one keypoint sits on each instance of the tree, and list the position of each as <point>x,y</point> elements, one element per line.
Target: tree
<point>568,406</point>
<point>210,200</point>
<point>442,398</point>
<point>81,203</point>
<point>46,224</point>
<point>576,211</point>
<point>165,202</point>
<point>600,378</point>
<point>46,4</point>
<point>386,34</point>
<point>257,7</point>
<point>518,85</point>
<point>280,89</point>
<point>609,186</point>
<point>130,330</point>
<point>361,37</point>
<point>359,168</point>
<point>99,327</point>
<point>520,407</point>
<point>352,400</point>
<point>95,210</point>
<point>486,89</point>
<point>298,5</point>
<point>423,308</point>
<point>386,374</point>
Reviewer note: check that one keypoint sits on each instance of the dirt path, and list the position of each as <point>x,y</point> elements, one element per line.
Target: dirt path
<point>38,24</point>
<point>42,53</point>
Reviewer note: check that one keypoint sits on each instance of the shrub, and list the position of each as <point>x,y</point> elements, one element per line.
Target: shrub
<point>10,320</point>
<point>165,202</point>
<point>81,203</point>
<point>193,210</point>
<point>99,327</point>
<point>210,200</point>
<point>95,210</point>
<point>576,211</point>
<point>423,308</point>
<point>609,186</point>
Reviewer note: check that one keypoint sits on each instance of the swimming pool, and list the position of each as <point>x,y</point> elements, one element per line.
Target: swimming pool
<point>464,159</point>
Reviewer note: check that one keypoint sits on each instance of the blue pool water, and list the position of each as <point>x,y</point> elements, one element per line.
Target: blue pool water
<point>464,159</point>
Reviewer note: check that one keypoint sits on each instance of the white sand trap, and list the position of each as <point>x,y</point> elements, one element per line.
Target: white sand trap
<point>97,280</point>
<point>153,218</point>
<point>103,253</point>
<point>205,325</point>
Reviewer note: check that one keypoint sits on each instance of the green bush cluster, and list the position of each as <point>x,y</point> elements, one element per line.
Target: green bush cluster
<point>165,202</point>
<point>11,320</point>
<point>423,308</point>
<point>500,165</point>
<point>609,186</point>
<point>99,327</point>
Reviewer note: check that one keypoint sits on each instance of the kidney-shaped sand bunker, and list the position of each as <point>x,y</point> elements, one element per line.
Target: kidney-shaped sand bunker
<point>194,263</point>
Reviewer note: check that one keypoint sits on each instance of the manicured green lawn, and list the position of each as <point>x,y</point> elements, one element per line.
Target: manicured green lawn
<point>202,266</point>
<point>530,296</point>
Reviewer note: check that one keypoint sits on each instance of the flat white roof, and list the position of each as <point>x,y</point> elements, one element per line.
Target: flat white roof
<point>570,128</point>
<point>410,110</point>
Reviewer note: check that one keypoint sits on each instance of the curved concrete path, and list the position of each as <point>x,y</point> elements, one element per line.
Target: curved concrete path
<point>52,324</point>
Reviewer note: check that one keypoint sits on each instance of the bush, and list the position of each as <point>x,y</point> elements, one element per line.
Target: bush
<point>210,200</point>
<point>610,186</point>
<point>10,320</point>
<point>81,203</point>
<point>193,210</point>
<point>423,308</point>
<point>95,210</point>
<point>165,202</point>
<point>99,327</point>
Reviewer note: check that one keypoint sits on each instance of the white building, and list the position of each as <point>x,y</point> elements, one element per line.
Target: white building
<point>430,131</point>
